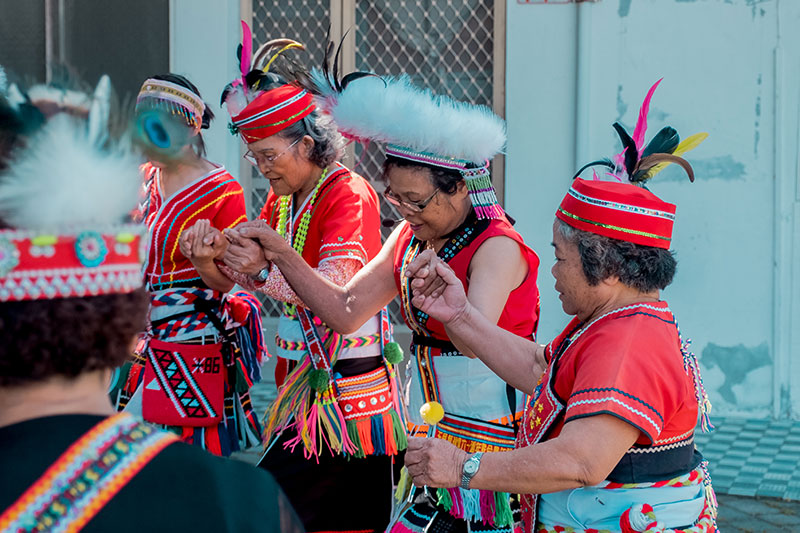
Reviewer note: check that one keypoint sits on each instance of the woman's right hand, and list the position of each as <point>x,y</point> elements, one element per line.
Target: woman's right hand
<point>259,231</point>
<point>202,243</point>
<point>436,290</point>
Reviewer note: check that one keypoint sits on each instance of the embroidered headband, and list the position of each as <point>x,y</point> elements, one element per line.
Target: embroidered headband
<point>618,210</point>
<point>624,209</point>
<point>417,125</point>
<point>271,112</point>
<point>67,212</point>
<point>178,100</point>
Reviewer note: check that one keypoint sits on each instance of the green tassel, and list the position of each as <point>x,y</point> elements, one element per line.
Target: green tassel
<point>318,379</point>
<point>400,437</point>
<point>393,353</point>
<point>502,510</point>
<point>444,499</point>
<point>352,433</point>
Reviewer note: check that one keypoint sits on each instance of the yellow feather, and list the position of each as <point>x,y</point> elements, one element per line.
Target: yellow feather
<point>689,143</point>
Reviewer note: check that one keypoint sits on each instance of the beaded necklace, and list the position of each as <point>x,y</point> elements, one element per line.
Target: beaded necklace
<point>285,216</point>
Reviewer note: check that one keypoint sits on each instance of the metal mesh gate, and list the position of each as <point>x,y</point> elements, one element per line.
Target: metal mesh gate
<point>445,45</point>
<point>305,21</point>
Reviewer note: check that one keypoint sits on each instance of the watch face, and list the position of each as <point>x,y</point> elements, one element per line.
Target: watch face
<point>471,467</point>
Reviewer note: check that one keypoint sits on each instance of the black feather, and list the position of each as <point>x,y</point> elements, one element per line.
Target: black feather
<point>664,142</point>
<point>254,77</point>
<point>336,81</point>
<point>353,76</point>
<point>228,88</point>
<point>239,54</point>
<point>631,153</point>
<point>599,163</point>
<point>326,60</point>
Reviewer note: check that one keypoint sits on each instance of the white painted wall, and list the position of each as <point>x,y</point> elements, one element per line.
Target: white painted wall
<point>730,69</point>
<point>204,35</point>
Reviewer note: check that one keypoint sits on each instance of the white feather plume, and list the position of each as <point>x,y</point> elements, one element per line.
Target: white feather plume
<point>392,110</point>
<point>99,111</point>
<point>61,179</point>
<point>3,80</point>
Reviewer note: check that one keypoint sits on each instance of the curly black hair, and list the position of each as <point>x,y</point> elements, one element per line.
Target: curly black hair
<point>68,336</point>
<point>645,268</point>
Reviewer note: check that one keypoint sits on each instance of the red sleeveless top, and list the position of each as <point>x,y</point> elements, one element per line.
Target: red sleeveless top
<point>521,312</point>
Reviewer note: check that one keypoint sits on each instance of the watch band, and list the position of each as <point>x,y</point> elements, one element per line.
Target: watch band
<point>470,468</point>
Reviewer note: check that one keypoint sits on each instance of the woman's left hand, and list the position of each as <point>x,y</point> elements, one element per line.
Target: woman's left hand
<point>269,239</point>
<point>434,462</point>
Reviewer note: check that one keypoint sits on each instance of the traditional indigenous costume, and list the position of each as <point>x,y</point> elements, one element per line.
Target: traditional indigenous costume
<point>480,411</point>
<point>63,199</point>
<point>649,379</point>
<point>335,426</point>
<point>202,351</point>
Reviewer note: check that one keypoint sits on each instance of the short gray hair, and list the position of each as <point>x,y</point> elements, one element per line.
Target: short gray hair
<point>328,142</point>
<point>645,268</point>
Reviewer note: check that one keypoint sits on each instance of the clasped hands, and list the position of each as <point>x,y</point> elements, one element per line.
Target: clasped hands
<point>248,248</point>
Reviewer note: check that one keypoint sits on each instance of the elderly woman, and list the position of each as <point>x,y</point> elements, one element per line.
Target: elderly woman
<point>192,314</point>
<point>329,216</point>
<point>607,442</point>
<point>437,178</point>
<point>71,304</point>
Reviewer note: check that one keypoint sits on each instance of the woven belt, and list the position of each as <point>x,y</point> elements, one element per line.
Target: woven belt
<point>350,342</point>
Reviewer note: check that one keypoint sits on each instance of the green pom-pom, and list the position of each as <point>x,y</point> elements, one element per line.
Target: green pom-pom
<point>318,379</point>
<point>393,353</point>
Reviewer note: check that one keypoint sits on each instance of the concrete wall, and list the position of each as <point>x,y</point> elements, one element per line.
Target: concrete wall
<point>730,67</point>
<point>204,35</point>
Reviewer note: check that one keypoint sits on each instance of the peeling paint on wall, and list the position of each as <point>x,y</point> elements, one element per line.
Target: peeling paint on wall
<point>757,133</point>
<point>622,107</point>
<point>624,8</point>
<point>724,168</point>
<point>735,362</point>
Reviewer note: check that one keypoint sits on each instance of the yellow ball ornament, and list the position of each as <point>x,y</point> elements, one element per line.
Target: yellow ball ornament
<point>432,413</point>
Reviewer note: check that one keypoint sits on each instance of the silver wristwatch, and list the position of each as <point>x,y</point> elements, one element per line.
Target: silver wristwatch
<point>470,468</point>
<point>262,275</point>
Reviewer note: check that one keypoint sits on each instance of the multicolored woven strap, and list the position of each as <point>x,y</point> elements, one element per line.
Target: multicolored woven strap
<point>320,358</point>
<point>349,342</point>
<point>86,476</point>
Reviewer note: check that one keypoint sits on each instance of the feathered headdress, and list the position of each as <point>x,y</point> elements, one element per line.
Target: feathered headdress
<point>254,68</point>
<point>415,124</point>
<point>639,162</point>
<point>66,194</point>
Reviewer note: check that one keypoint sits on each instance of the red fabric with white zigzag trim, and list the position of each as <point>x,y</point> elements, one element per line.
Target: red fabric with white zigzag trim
<point>37,265</point>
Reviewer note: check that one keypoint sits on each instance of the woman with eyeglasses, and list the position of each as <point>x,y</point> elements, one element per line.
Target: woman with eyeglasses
<point>203,347</point>
<point>329,216</point>
<point>437,176</point>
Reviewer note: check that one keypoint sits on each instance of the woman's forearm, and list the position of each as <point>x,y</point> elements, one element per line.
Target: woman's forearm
<point>516,360</point>
<point>213,277</point>
<point>330,302</point>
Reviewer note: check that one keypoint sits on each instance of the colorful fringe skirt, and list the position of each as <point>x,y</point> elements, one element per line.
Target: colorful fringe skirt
<point>342,492</point>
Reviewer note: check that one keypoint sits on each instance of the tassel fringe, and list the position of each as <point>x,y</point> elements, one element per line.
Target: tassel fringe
<point>491,508</point>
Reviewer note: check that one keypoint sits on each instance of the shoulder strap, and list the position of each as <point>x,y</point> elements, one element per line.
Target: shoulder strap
<point>86,476</point>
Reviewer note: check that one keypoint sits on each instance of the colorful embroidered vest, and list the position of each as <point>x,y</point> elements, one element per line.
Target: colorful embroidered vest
<point>480,414</point>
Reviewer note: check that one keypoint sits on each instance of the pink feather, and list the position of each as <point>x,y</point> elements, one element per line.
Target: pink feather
<point>247,50</point>
<point>641,124</point>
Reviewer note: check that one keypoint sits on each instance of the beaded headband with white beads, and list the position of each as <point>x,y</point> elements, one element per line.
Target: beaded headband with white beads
<point>36,265</point>
<point>66,198</point>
